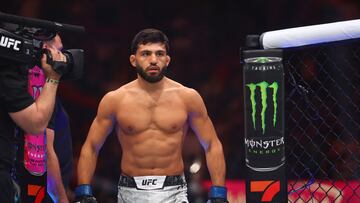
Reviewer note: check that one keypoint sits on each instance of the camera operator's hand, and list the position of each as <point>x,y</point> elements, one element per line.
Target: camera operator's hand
<point>56,56</point>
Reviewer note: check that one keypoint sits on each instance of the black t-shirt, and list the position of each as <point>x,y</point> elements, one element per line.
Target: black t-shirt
<point>13,98</point>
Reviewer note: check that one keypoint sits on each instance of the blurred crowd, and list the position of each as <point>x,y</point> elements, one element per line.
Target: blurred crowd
<point>205,37</point>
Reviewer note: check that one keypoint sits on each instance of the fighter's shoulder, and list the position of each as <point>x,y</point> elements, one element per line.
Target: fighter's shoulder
<point>120,92</point>
<point>114,96</point>
<point>180,88</point>
<point>189,94</point>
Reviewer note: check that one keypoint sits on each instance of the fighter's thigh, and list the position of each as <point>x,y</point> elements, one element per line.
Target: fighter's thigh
<point>181,195</point>
<point>131,195</point>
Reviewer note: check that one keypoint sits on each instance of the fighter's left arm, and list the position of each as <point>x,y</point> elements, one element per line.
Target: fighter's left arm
<point>201,124</point>
<point>203,128</point>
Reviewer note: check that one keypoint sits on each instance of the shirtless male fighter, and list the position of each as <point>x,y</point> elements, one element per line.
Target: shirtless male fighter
<point>151,116</point>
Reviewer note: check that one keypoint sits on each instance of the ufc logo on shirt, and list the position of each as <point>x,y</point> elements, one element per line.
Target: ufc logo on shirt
<point>10,43</point>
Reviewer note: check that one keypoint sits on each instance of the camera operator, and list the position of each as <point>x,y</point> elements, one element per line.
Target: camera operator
<point>18,108</point>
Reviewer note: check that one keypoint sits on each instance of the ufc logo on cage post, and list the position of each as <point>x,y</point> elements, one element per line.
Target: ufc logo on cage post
<point>8,42</point>
<point>268,188</point>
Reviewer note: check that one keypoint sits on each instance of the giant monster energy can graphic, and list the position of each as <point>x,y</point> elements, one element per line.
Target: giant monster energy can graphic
<point>264,109</point>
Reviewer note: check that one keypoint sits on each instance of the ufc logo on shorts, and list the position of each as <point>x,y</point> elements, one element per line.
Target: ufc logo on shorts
<point>269,188</point>
<point>149,182</point>
<point>9,42</point>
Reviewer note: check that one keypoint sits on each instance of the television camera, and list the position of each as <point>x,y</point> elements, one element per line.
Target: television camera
<point>22,38</point>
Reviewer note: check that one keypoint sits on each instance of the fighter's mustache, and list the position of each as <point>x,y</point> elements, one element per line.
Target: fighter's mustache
<point>152,68</point>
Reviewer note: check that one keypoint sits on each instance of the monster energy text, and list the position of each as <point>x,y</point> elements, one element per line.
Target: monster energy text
<point>263,86</point>
<point>264,146</point>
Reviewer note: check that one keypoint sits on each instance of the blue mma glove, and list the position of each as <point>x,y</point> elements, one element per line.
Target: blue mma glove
<point>218,194</point>
<point>83,194</point>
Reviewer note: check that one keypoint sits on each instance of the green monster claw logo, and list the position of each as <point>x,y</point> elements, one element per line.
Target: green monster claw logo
<point>262,60</point>
<point>263,90</point>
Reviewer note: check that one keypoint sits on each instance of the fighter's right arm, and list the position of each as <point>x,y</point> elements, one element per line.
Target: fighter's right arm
<point>99,130</point>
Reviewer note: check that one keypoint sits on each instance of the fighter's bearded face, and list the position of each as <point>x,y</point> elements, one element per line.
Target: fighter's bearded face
<point>150,61</point>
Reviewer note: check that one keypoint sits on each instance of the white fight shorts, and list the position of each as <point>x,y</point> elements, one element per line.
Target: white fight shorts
<point>152,189</point>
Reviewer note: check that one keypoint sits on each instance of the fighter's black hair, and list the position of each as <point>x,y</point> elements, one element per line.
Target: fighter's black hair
<point>149,36</point>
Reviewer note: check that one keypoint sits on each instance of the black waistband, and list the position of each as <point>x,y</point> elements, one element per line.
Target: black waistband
<point>127,181</point>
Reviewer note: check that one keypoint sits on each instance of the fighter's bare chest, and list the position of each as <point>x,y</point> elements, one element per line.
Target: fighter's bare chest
<point>165,114</point>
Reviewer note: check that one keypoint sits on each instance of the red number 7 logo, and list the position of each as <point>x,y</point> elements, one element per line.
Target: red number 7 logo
<point>37,191</point>
<point>269,187</point>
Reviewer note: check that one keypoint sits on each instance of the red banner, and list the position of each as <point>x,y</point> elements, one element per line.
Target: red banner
<point>323,191</point>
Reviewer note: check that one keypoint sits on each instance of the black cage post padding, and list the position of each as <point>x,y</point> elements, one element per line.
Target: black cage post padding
<point>263,86</point>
